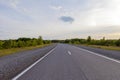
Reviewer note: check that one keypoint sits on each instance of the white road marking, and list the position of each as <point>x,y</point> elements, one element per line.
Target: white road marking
<point>24,71</point>
<point>108,58</point>
<point>69,53</point>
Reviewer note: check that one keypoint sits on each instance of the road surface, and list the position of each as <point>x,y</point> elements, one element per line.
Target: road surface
<point>11,65</point>
<point>110,53</point>
<point>66,62</point>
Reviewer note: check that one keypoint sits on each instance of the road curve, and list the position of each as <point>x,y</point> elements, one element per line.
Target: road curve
<point>68,62</point>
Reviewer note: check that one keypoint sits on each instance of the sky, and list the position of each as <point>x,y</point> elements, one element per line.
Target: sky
<point>60,19</point>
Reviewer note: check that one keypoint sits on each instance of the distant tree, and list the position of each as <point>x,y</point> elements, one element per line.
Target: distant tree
<point>28,43</point>
<point>83,41</point>
<point>1,43</point>
<point>67,41</point>
<point>40,40</point>
<point>24,39</point>
<point>76,42</point>
<point>103,39</point>
<point>21,43</point>
<point>13,44</point>
<point>34,42</point>
<point>7,44</point>
<point>46,41</point>
<point>103,42</point>
<point>89,39</point>
<point>70,42</point>
<point>117,42</point>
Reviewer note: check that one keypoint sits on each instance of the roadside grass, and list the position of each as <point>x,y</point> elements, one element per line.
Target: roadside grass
<point>104,47</point>
<point>4,52</point>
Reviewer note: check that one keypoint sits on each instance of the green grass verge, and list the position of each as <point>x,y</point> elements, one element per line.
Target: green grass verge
<point>104,47</point>
<point>4,52</point>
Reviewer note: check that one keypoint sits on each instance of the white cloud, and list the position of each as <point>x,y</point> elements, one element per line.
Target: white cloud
<point>97,13</point>
<point>14,3</point>
<point>56,7</point>
<point>90,19</point>
<point>104,12</point>
<point>98,18</point>
<point>10,3</point>
<point>18,6</point>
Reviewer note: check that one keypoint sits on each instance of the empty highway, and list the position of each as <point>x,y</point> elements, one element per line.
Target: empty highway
<point>67,62</point>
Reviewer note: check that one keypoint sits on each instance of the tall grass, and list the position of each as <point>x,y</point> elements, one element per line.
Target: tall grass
<point>105,47</point>
<point>4,52</point>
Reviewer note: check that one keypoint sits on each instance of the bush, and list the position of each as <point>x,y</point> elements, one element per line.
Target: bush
<point>1,44</point>
<point>118,42</point>
<point>7,44</point>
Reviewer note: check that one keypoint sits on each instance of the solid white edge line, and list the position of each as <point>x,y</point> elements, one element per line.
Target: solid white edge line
<point>24,71</point>
<point>69,53</point>
<point>108,58</point>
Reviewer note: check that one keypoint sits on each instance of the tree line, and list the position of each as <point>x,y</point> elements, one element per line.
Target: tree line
<point>22,42</point>
<point>26,42</point>
<point>90,41</point>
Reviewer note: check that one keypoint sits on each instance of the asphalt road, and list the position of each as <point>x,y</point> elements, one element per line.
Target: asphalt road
<point>13,64</point>
<point>66,62</point>
<point>109,53</point>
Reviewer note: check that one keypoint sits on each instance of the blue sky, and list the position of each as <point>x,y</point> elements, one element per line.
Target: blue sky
<point>60,19</point>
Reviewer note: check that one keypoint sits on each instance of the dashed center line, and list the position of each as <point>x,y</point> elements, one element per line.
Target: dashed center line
<point>69,53</point>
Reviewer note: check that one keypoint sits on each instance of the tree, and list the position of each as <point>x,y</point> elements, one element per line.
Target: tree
<point>118,42</point>
<point>67,41</point>
<point>89,39</point>
<point>103,39</point>
<point>21,44</point>
<point>1,43</point>
<point>34,42</point>
<point>40,40</point>
<point>24,39</point>
<point>47,41</point>
<point>7,44</point>
<point>13,44</point>
<point>76,42</point>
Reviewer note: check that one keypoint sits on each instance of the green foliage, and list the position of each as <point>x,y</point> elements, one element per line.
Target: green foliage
<point>22,42</point>
<point>47,42</point>
<point>117,42</point>
<point>67,41</point>
<point>7,44</point>
<point>76,42</point>
<point>40,41</point>
<point>34,42</point>
<point>24,39</point>
<point>26,42</point>
<point>1,44</point>
<point>89,39</point>
<point>13,44</point>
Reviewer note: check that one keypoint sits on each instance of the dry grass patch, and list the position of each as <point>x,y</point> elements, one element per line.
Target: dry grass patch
<point>4,52</point>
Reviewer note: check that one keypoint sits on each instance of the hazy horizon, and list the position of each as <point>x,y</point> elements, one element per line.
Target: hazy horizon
<point>60,19</point>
